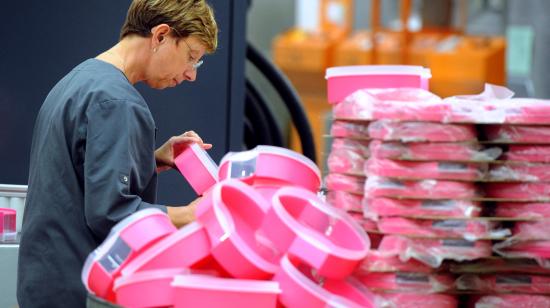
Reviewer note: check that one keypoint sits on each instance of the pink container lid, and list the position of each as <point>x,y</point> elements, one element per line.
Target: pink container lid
<point>301,289</point>
<point>126,239</point>
<point>269,163</point>
<point>324,237</point>
<point>173,251</point>
<point>207,291</point>
<point>232,214</point>
<point>8,224</point>
<point>147,289</point>
<point>197,167</point>
<point>344,80</point>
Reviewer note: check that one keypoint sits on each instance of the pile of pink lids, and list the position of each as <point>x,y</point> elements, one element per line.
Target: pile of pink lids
<point>451,192</point>
<point>262,237</point>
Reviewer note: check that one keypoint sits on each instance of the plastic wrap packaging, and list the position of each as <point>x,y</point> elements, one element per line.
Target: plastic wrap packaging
<point>377,261</point>
<point>406,104</point>
<point>504,283</point>
<point>528,111</point>
<point>518,191</point>
<point>522,210</point>
<point>415,300</point>
<point>421,132</point>
<point>342,182</point>
<point>377,207</point>
<point>433,251</point>
<point>344,129</point>
<point>513,301</point>
<point>517,134</point>
<point>467,229</point>
<point>513,248</point>
<point>424,170</point>
<point>438,151</point>
<point>360,147</point>
<point>528,153</point>
<point>532,230</point>
<point>426,189</point>
<point>412,282</point>
<point>345,161</point>
<point>528,172</point>
<point>344,200</point>
<point>495,266</point>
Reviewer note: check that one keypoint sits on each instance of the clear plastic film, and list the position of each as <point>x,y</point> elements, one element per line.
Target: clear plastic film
<point>522,210</point>
<point>421,131</point>
<point>345,161</point>
<point>528,153</point>
<point>499,265</point>
<point>425,170</point>
<point>504,283</point>
<point>513,301</point>
<point>433,251</point>
<point>517,134</point>
<point>360,147</point>
<point>517,248</point>
<point>346,129</point>
<point>425,189</point>
<point>344,200</point>
<point>342,182</point>
<point>377,261</point>
<point>419,300</point>
<point>378,207</point>
<point>440,151</point>
<point>412,282</point>
<point>528,172</point>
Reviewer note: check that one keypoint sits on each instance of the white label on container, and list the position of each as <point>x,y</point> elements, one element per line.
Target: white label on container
<point>243,168</point>
<point>118,253</point>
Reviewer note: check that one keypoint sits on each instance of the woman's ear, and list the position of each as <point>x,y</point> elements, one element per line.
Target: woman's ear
<point>159,34</point>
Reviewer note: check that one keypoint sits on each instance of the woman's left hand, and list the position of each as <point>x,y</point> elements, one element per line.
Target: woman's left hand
<point>174,146</point>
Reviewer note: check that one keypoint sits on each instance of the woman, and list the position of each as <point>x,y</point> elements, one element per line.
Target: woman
<point>93,157</point>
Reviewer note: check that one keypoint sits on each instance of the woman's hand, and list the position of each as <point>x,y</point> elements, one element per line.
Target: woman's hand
<point>174,146</point>
<point>182,215</point>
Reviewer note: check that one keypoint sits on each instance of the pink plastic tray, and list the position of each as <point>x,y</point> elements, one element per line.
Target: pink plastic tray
<point>324,237</point>
<point>421,131</point>
<point>198,168</point>
<point>433,151</point>
<point>424,170</point>
<point>232,215</point>
<point>529,153</point>
<point>269,164</point>
<point>146,289</point>
<point>173,251</point>
<point>301,289</point>
<point>8,222</point>
<point>417,208</point>
<point>425,189</point>
<point>127,239</point>
<point>208,291</point>
<point>344,80</point>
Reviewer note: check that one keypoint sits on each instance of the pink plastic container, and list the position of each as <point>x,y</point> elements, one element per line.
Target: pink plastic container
<point>198,168</point>
<point>417,282</point>
<point>528,153</point>
<point>345,161</point>
<point>344,80</point>
<point>173,251</point>
<point>8,225</point>
<point>324,237</point>
<point>377,261</point>
<point>421,208</point>
<point>433,151</point>
<point>232,215</point>
<point>518,134</point>
<point>518,191</point>
<point>468,229</point>
<point>344,129</point>
<point>126,240</point>
<point>513,301</point>
<point>301,289</point>
<point>526,249</point>
<point>345,201</point>
<point>421,131</point>
<point>361,147</point>
<point>528,111</point>
<point>424,170</point>
<point>504,283</point>
<point>343,182</point>
<point>210,292</point>
<point>268,164</point>
<point>522,210</point>
<point>425,189</point>
<point>527,172</point>
<point>146,289</point>
<point>415,300</point>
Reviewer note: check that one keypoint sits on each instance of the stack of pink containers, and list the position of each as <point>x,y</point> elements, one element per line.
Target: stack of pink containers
<point>436,197</point>
<point>262,238</point>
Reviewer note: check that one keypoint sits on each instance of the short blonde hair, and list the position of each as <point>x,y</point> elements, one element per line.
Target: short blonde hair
<point>187,17</point>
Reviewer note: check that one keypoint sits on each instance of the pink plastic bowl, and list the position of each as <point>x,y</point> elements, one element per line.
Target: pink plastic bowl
<point>269,164</point>
<point>232,215</point>
<point>198,168</point>
<point>344,80</point>
<point>301,289</point>
<point>207,291</point>
<point>127,239</point>
<point>147,289</point>
<point>181,249</point>
<point>324,237</point>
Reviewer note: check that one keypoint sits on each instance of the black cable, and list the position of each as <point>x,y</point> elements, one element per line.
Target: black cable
<point>289,97</point>
<point>275,134</point>
<point>257,121</point>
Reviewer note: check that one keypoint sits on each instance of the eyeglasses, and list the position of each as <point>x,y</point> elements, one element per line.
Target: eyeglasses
<point>195,64</point>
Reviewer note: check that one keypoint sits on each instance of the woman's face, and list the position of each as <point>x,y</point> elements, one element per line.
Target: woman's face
<point>174,61</point>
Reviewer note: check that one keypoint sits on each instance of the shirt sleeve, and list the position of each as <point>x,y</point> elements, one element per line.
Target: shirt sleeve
<point>119,162</point>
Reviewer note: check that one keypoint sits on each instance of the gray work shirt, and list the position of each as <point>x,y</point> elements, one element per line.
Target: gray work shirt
<point>92,164</point>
